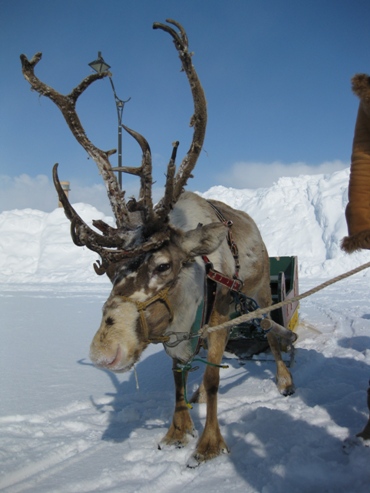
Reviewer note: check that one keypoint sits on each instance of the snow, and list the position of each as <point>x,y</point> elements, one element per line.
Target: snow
<point>66,426</point>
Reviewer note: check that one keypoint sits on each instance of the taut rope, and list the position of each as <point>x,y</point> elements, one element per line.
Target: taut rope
<point>262,311</point>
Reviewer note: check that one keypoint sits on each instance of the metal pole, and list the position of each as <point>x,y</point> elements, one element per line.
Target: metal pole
<point>119,105</point>
<point>120,154</point>
<point>100,66</point>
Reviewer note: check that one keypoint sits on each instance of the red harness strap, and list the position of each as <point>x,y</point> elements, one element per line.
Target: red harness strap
<point>234,284</point>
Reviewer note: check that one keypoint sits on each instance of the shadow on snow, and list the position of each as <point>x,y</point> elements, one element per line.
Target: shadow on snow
<point>335,384</point>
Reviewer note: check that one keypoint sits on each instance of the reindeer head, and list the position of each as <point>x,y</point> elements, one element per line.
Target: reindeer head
<point>152,294</point>
<point>144,256</point>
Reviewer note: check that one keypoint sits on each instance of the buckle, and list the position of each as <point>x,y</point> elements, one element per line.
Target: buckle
<point>237,284</point>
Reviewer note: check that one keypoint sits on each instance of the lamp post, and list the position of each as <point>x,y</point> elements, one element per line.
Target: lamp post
<point>99,65</point>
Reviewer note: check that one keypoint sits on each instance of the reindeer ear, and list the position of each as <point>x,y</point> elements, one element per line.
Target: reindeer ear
<point>204,239</point>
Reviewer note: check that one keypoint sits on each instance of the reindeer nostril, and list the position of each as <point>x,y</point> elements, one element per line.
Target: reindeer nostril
<point>109,321</point>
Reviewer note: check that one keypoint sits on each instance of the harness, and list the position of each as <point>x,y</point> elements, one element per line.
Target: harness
<point>243,304</point>
<point>141,306</point>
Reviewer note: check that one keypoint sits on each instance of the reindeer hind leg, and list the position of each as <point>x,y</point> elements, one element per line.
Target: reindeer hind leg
<point>284,380</point>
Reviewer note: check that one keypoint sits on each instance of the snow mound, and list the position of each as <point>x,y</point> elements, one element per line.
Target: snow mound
<point>36,246</point>
<point>301,216</point>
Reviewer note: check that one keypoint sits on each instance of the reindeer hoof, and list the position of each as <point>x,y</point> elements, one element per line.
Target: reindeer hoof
<point>287,391</point>
<point>207,450</point>
<point>197,459</point>
<point>175,444</point>
<point>285,384</point>
<point>177,439</point>
<point>193,462</point>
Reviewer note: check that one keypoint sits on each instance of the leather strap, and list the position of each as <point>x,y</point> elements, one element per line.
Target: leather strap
<point>234,284</point>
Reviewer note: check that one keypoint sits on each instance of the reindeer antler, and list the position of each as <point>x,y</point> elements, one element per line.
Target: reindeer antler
<point>145,203</point>
<point>128,239</point>
<point>67,105</point>
<point>175,185</point>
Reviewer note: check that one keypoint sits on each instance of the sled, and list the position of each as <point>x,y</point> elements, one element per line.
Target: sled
<point>284,285</point>
<point>249,339</point>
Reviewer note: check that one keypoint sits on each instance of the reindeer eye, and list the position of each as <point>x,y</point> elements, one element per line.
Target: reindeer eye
<point>162,267</point>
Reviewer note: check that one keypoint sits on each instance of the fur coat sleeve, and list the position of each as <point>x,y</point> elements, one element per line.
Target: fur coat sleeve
<point>358,208</point>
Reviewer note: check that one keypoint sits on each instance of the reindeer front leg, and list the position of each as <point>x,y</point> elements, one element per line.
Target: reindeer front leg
<point>211,443</point>
<point>182,426</point>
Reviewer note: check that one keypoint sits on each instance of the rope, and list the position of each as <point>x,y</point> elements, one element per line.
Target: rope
<point>262,311</point>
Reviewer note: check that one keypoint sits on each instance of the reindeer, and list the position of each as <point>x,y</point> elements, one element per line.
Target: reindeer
<point>158,258</point>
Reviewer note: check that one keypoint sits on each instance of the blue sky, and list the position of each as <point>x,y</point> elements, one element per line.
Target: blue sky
<point>276,76</point>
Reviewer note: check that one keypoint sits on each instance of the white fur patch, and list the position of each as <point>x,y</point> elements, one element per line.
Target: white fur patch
<point>141,295</point>
<point>159,258</point>
<point>155,284</point>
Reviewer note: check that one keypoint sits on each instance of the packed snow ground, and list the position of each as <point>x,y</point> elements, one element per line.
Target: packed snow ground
<point>66,426</point>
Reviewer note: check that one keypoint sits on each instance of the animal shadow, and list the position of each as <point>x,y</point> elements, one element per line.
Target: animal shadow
<point>142,401</point>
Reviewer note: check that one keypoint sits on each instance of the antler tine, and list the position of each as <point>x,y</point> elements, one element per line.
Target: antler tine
<point>145,203</point>
<point>184,36</point>
<point>81,233</point>
<point>67,105</point>
<point>129,239</point>
<point>165,204</point>
<point>115,245</point>
<point>199,118</point>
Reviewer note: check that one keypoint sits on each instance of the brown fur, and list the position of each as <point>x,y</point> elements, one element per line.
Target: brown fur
<point>356,242</point>
<point>358,208</point>
<point>154,263</point>
<point>177,265</point>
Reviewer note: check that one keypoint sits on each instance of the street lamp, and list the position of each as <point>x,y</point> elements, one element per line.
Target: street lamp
<point>99,66</point>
